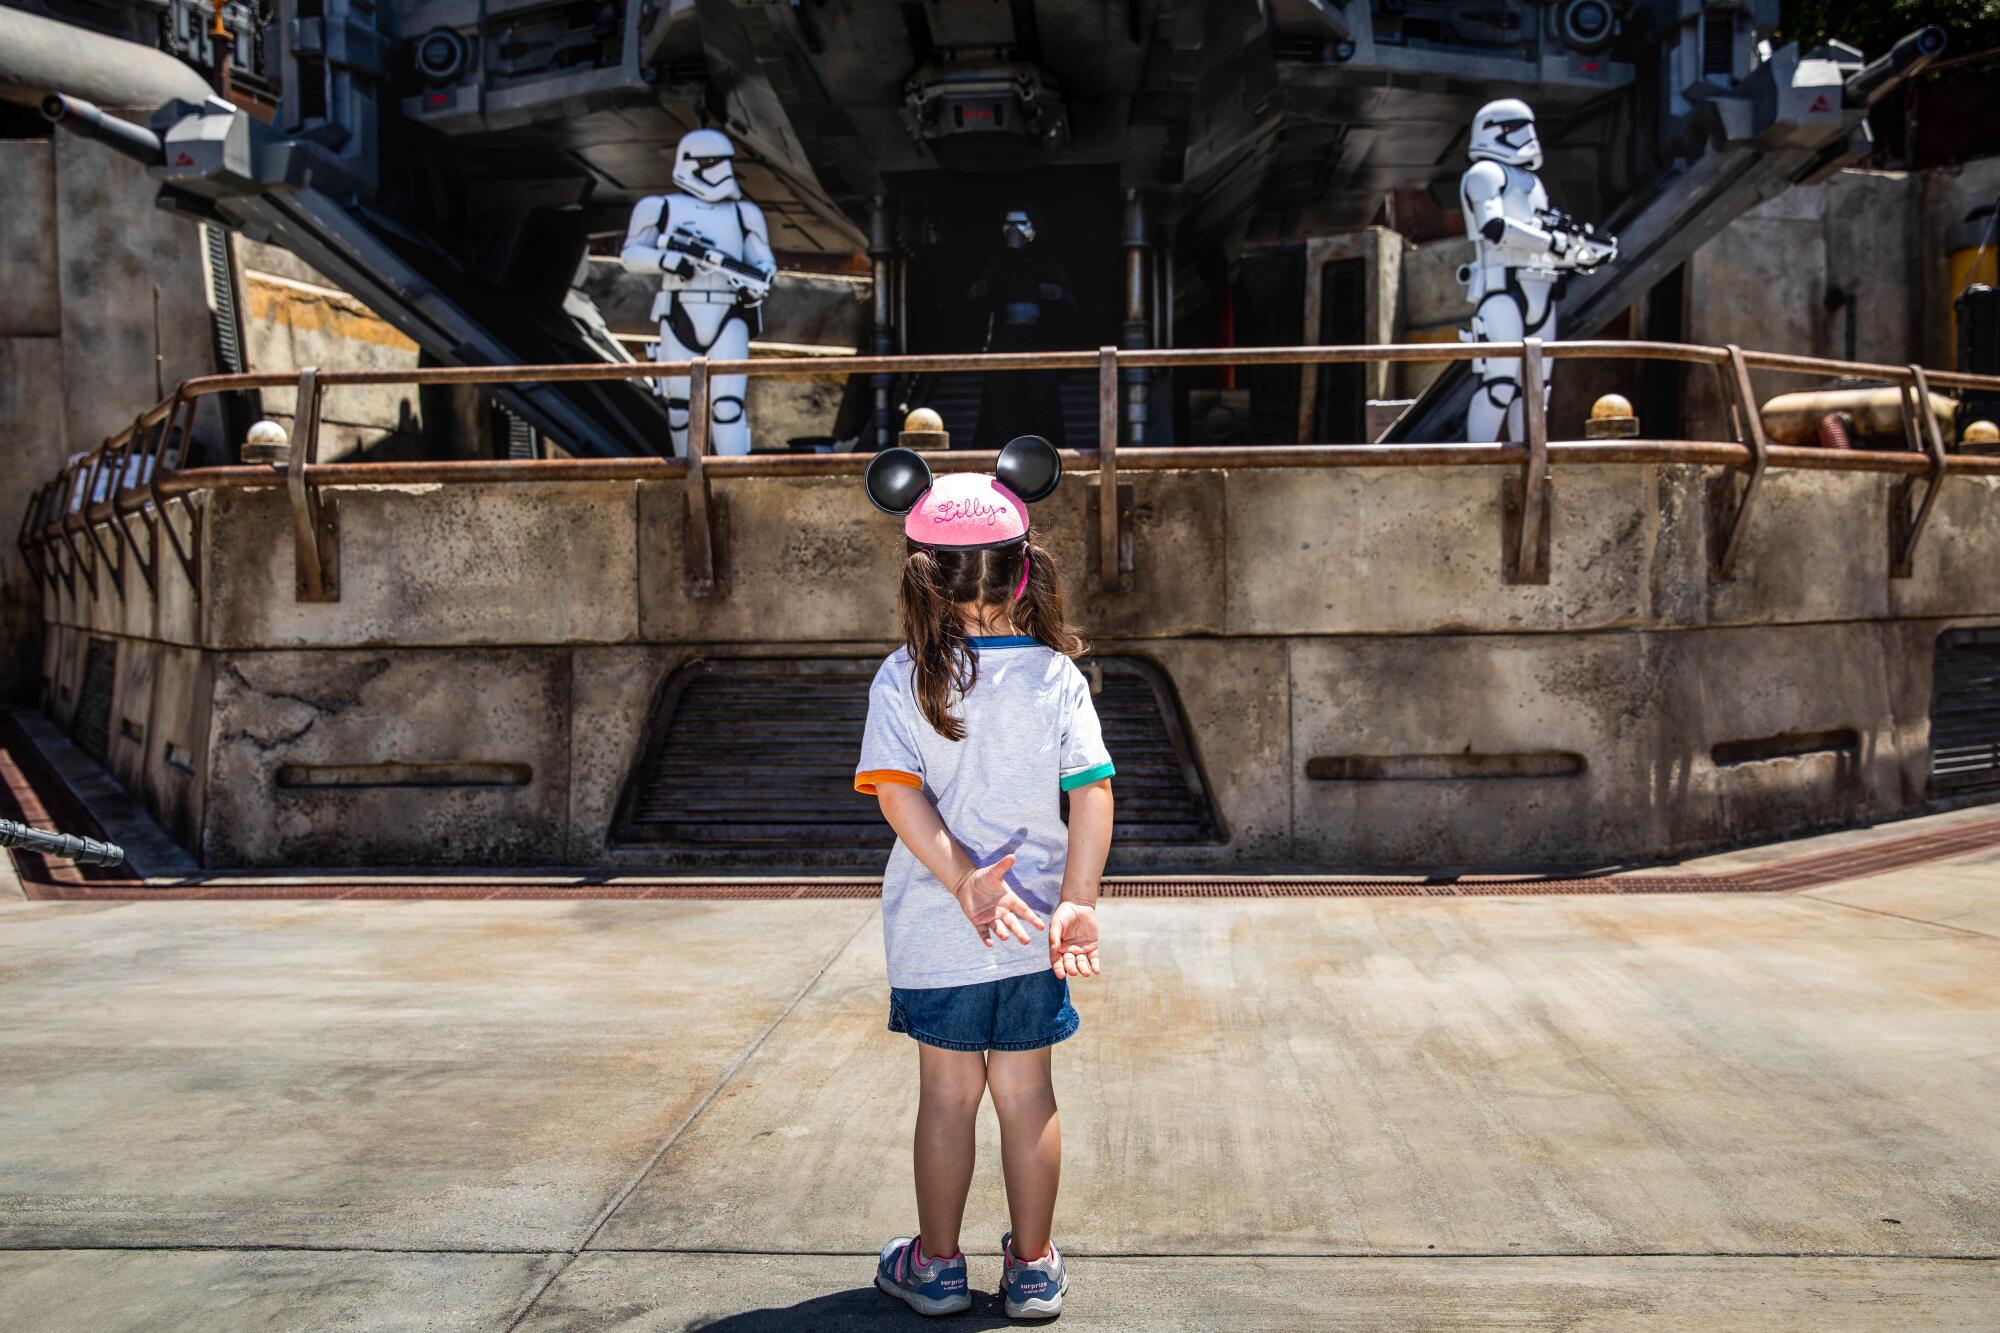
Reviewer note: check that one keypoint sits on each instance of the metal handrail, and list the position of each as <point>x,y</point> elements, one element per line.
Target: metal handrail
<point>63,516</point>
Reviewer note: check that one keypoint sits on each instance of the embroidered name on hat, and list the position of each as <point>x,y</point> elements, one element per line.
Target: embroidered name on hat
<point>968,511</point>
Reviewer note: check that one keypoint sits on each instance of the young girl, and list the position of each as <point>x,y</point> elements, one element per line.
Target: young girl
<point>975,728</point>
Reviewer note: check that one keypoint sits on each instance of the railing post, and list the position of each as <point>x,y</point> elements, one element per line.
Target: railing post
<point>1750,434</point>
<point>702,573</point>
<point>113,568</point>
<point>315,518</point>
<point>30,550</point>
<point>190,560</point>
<point>118,484</point>
<point>1917,407</point>
<point>72,478</point>
<point>1108,572</point>
<point>1532,540</point>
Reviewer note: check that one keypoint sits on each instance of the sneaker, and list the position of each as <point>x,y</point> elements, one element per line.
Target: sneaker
<point>938,1286</point>
<point>1033,1290</point>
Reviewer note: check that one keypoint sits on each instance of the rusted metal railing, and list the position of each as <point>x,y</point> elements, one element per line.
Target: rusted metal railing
<point>128,476</point>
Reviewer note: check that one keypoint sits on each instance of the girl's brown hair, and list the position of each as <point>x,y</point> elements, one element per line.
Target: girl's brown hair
<point>937,583</point>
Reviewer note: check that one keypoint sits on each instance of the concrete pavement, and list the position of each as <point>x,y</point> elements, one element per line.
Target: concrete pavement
<point>1745,1111</point>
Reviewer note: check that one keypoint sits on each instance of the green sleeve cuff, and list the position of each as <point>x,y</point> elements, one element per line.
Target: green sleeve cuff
<point>1088,776</point>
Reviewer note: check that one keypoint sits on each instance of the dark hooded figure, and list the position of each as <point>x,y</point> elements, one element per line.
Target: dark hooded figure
<point>1028,303</point>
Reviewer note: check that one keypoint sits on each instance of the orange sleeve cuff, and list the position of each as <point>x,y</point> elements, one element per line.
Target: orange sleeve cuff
<point>866,783</point>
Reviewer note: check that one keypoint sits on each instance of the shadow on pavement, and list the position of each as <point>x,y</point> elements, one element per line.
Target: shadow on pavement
<point>863,1309</point>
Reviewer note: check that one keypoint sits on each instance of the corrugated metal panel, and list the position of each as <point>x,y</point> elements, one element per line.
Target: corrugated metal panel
<point>759,754</point>
<point>91,727</point>
<point>1965,712</point>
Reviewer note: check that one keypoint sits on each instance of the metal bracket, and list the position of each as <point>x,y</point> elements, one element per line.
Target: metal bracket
<point>29,546</point>
<point>49,508</point>
<point>1905,530</point>
<point>190,562</point>
<point>139,557</point>
<point>77,563</point>
<point>704,532</point>
<point>1749,433</point>
<point>1526,501</point>
<point>1113,547</point>
<point>1513,527</point>
<point>315,521</point>
<point>1094,547</point>
<point>114,569</point>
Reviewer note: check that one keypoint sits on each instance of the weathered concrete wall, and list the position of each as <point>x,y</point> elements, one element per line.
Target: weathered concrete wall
<point>480,740</point>
<point>83,254</point>
<point>504,645</point>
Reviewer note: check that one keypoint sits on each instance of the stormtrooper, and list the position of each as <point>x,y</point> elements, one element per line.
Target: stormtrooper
<point>713,254</point>
<point>1028,304</point>
<point>1522,248</point>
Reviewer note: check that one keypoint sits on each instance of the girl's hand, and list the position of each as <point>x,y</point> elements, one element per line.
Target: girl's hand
<point>1073,940</point>
<point>991,906</point>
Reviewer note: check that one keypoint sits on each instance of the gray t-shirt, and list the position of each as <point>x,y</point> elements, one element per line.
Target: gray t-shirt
<point>1030,735</point>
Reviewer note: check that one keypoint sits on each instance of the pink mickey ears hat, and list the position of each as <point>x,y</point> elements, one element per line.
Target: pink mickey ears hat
<point>965,511</point>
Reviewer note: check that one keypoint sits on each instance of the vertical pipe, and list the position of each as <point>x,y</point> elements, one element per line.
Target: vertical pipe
<point>1107,468</point>
<point>881,250</point>
<point>1137,281</point>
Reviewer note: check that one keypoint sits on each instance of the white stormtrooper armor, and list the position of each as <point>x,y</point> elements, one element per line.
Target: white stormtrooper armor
<point>1521,248</point>
<point>711,248</point>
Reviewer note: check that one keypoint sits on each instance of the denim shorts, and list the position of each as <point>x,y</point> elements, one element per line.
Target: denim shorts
<point>1013,1014</point>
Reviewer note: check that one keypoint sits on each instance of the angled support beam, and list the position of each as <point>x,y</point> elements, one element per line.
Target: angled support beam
<point>76,560</point>
<point>114,569</point>
<point>1525,519</point>
<point>123,465</point>
<point>1112,565</point>
<point>1925,438</point>
<point>1749,433</point>
<point>315,519</point>
<point>701,509</point>
<point>188,556</point>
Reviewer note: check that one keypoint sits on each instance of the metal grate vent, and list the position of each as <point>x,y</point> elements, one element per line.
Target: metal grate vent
<point>1161,797</point>
<point>1718,44</point>
<point>1965,712</point>
<point>759,754</point>
<point>91,726</point>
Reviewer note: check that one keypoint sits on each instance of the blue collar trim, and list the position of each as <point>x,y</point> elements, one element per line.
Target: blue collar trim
<point>1006,641</point>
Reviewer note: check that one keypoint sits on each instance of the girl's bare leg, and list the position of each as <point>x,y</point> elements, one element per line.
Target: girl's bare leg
<point>1024,1096</point>
<point>952,1083</point>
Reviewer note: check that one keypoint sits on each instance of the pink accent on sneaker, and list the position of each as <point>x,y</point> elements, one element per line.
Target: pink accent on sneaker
<point>922,1258</point>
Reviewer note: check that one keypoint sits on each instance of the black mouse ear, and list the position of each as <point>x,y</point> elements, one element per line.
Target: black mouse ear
<point>896,479</point>
<point>1030,467</point>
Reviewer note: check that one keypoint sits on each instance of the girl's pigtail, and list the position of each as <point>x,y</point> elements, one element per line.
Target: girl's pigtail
<point>1038,611</point>
<point>932,628</point>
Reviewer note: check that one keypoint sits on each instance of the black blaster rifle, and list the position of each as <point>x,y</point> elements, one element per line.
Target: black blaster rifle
<point>753,282</point>
<point>1578,235</point>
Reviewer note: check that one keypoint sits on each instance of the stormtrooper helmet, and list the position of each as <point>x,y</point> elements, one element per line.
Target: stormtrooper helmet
<point>704,167</point>
<point>1017,229</point>
<point>1504,131</point>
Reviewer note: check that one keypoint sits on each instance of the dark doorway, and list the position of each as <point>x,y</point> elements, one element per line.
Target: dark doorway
<point>1340,408</point>
<point>948,226</point>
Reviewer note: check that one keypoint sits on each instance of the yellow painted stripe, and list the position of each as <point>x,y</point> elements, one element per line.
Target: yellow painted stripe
<point>308,309</point>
